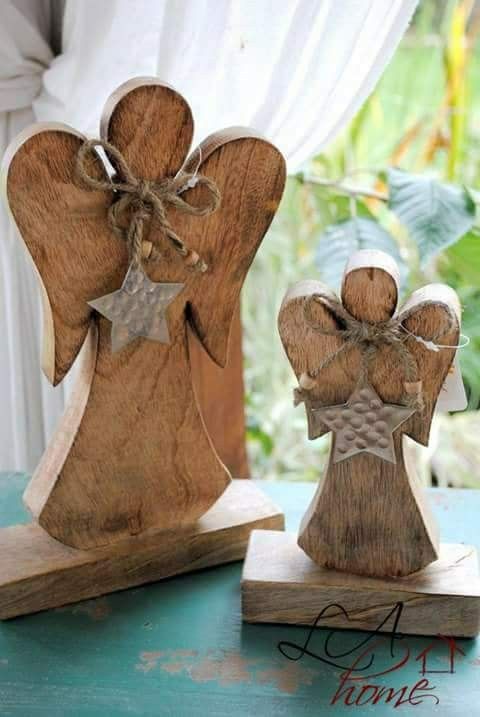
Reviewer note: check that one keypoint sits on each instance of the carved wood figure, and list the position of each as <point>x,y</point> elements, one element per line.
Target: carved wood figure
<point>136,245</point>
<point>371,376</point>
<point>368,548</point>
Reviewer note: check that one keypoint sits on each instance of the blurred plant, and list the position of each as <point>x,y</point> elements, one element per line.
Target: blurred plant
<point>435,214</point>
<point>354,196</point>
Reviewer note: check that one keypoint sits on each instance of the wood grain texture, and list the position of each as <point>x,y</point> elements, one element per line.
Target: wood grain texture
<point>37,572</point>
<point>280,584</point>
<point>220,394</point>
<point>369,516</point>
<point>133,454</point>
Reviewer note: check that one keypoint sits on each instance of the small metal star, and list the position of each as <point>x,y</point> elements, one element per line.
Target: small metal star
<point>138,308</point>
<point>365,424</point>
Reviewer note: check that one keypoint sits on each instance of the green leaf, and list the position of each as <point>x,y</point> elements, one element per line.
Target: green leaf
<point>470,355</point>
<point>339,241</point>
<point>435,214</point>
<point>256,433</point>
<point>474,193</point>
<point>464,258</point>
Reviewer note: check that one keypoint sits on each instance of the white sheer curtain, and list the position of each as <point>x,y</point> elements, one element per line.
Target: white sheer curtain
<point>297,70</point>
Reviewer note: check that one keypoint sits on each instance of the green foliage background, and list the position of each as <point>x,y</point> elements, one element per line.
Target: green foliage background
<point>424,117</point>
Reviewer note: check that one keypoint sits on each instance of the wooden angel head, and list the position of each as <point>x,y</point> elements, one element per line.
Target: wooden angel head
<point>132,452</point>
<point>371,374</point>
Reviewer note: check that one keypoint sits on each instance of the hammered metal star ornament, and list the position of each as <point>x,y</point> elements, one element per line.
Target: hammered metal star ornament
<point>138,308</point>
<point>365,424</point>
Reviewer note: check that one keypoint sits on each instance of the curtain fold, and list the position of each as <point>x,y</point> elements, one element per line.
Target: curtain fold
<point>30,406</point>
<point>297,70</point>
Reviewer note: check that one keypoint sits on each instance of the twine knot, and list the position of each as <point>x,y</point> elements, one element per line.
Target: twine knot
<point>364,332</point>
<point>138,200</point>
<point>144,190</point>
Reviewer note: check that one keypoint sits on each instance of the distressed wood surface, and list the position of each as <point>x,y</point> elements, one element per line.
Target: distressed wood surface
<point>369,516</point>
<point>281,584</point>
<point>178,646</point>
<point>132,453</point>
<point>38,572</point>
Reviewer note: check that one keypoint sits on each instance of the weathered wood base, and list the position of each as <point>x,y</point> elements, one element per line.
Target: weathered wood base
<point>37,572</point>
<point>281,584</point>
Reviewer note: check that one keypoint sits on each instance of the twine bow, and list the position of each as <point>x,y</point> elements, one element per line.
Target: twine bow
<point>140,200</point>
<point>368,337</point>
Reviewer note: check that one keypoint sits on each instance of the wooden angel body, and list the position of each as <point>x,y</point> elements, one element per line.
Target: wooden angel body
<point>372,376</point>
<point>132,452</point>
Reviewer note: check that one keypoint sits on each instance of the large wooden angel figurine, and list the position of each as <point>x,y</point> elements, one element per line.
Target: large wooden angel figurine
<point>371,375</point>
<point>134,242</point>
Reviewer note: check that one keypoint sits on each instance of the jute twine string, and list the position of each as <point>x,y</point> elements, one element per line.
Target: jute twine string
<point>140,200</point>
<point>368,337</point>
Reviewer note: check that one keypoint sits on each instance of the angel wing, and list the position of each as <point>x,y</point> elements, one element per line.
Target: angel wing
<point>64,230</point>
<point>431,312</point>
<point>250,174</point>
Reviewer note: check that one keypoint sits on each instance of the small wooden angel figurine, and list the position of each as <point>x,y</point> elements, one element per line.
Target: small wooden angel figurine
<point>133,242</point>
<point>371,375</point>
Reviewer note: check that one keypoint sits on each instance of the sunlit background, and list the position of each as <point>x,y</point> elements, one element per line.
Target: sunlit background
<point>424,117</point>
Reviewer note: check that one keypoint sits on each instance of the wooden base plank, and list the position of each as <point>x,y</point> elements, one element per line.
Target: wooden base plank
<point>281,584</point>
<point>37,572</point>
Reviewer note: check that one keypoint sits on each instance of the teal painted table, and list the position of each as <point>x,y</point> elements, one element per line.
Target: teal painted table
<point>179,647</point>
